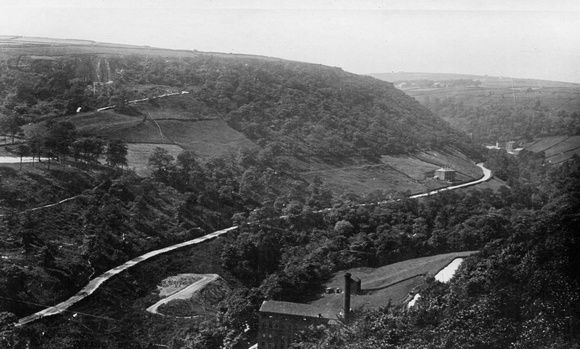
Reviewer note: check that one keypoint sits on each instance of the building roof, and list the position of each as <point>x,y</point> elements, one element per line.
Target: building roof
<point>445,170</point>
<point>295,309</point>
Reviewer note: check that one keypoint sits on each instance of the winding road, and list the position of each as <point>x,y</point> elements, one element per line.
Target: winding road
<point>486,177</point>
<point>95,283</point>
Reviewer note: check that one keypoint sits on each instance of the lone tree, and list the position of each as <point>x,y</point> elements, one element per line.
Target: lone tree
<point>161,161</point>
<point>22,150</point>
<point>116,153</point>
<point>36,144</point>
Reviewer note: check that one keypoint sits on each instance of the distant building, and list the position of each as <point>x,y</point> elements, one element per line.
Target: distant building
<point>510,146</point>
<point>496,146</point>
<point>281,321</point>
<point>445,174</point>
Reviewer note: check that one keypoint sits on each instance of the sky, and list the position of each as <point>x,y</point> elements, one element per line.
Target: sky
<point>515,38</point>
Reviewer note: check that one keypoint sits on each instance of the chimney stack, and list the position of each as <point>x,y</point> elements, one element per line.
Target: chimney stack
<point>346,295</point>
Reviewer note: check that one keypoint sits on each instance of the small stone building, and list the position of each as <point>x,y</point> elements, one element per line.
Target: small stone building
<point>445,174</point>
<point>511,146</point>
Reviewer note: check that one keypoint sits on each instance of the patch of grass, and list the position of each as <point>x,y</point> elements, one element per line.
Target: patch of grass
<point>545,143</point>
<point>208,138</point>
<point>396,173</point>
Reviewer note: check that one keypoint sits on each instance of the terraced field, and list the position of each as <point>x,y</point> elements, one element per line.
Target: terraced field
<point>557,149</point>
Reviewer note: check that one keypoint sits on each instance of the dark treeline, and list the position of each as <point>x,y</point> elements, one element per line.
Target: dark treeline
<point>504,122</point>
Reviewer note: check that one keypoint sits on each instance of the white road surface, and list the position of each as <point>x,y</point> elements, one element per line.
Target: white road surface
<point>16,159</point>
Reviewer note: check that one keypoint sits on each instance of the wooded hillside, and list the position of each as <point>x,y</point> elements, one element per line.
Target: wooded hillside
<point>296,109</point>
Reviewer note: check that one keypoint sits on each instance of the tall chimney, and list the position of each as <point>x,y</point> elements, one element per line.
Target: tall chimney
<point>346,295</point>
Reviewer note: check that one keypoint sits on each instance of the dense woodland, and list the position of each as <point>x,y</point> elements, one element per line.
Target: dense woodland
<point>522,290</point>
<point>524,122</point>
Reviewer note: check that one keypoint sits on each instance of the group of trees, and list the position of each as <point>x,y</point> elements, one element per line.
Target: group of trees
<point>254,180</point>
<point>10,124</point>
<point>497,122</point>
<point>60,139</point>
<point>46,89</point>
<point>108,222</point>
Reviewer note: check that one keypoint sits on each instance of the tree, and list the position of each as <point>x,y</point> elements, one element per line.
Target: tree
<point>160,160</point>
<point>89,148</point>
<point>60,137</point>
<point>22,150</point>
<point>7,321</point>
<point>117,153</point>
<point>35,142</point>
<point>10,124</point>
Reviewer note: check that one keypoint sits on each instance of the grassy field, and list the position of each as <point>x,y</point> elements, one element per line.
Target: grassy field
<point>396,173</point>
<point>207,138</point>
<point>392,282</point>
